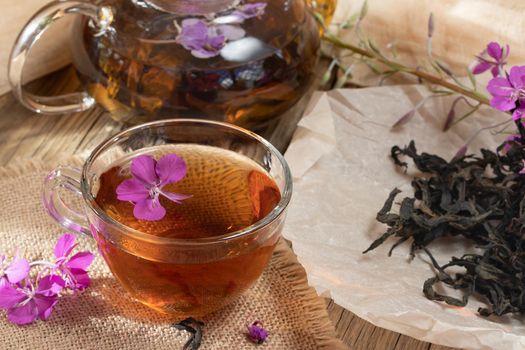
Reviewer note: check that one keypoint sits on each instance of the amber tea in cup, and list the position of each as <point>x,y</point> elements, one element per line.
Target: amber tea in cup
<point>207,249</point>
<point>229,193</point>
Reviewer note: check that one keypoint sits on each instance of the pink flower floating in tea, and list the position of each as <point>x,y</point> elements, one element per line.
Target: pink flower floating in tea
<point>205,38</point>
<point>146,186</point>
<point>205,41</point>
<point>250,10</point>
<point>257,333</point>
<point>27,298</point>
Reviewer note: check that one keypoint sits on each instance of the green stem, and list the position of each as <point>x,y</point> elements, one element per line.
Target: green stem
<point>486,128</point>
<point>466,115</point>
<point>415,72</point>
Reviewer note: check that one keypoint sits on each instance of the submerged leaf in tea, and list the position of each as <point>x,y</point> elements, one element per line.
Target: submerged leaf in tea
<point>477,198</point>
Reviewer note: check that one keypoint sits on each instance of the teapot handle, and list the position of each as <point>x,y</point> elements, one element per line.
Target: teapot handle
<point>33,30</point>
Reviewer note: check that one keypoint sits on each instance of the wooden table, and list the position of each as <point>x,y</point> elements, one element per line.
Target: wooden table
<point>25,134</point>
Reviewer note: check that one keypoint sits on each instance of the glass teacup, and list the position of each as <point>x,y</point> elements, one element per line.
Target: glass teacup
<point>180,276</point>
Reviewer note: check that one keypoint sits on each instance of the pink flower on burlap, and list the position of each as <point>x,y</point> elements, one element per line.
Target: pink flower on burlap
<point>73,269</point>
<point>26,302</point>
<point>28,297</point>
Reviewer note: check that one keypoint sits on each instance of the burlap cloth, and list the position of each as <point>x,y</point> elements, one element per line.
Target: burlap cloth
<point>105,317</point>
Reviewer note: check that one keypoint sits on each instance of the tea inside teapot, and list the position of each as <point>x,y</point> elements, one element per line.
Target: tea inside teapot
<point>240,61</point>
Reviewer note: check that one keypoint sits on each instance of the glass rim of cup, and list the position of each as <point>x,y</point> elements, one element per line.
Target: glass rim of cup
<point>276,212</point>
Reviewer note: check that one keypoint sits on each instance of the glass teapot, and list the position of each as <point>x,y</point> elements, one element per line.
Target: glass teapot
<point>240,61</point>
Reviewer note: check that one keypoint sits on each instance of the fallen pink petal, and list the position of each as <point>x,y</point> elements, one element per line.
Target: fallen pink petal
<point>17,270</point>
<point>257,333</point>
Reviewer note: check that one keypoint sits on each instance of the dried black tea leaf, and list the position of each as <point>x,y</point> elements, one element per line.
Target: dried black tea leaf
<point>194,327</point>
<point>480,199</point>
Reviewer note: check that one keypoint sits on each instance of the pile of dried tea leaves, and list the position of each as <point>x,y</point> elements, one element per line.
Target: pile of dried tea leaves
<point>477,198</point>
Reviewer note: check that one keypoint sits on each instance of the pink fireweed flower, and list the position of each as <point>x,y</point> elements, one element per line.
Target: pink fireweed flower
<point>257,333</point>
<point>146,186</point>
<point>205,40</point>
<point>509,93</point>
<point>196,37</point>
<point>499,56</point>
<point>25,303</point>
<point>73,269</point>
<point>26,297</point>
<point>248,11</point>
<point>16,271</point>
<point>509,141</point>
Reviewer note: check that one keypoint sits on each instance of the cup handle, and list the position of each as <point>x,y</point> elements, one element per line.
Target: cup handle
<point>74,102</point>
<point>66,177</point>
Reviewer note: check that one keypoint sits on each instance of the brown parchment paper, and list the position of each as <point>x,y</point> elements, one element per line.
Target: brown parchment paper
<point>343,174</point>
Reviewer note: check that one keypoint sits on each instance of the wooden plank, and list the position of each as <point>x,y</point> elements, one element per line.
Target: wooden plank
<point>25,134</point>
<point>405,342</point>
